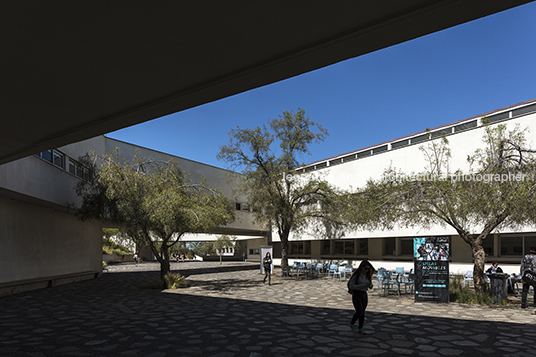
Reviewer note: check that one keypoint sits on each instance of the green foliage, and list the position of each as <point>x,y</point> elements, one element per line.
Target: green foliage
<point>202,248</point>
<point>174,281</point>
<point>497,192</point>
<point>111,247</point>
<point>223,242</point>
<point>466,295</point>
<point>268,158</point>
<point>155,201</point>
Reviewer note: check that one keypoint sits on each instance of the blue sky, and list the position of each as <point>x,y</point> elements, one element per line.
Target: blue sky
<point>437,79</point>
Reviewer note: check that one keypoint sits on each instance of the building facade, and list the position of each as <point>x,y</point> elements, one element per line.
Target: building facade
<point>352,170</point>
<point>44,244</point>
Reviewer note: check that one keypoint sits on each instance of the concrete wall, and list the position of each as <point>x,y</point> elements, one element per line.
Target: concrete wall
<point>40,242</point>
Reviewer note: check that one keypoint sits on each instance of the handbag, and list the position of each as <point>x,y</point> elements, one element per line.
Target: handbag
<point>529,277</point>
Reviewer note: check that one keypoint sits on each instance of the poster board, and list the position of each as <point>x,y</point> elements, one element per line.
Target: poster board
<point>431,258</point>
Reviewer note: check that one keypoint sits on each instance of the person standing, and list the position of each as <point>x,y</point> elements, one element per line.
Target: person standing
<point>528,263</point>
<point>135,259</point>
<point>267,264</point>
<point>359,283</point>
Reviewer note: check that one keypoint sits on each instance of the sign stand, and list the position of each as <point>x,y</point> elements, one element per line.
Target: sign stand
<point>431,257</point>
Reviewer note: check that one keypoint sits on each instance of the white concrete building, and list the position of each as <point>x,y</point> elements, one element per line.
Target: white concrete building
<point>45,244</point>
<point>355,168</point>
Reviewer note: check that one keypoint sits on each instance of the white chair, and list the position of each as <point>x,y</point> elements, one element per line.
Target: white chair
<point>468,276</point>
<point>337,272</point>
<point>332,269</point>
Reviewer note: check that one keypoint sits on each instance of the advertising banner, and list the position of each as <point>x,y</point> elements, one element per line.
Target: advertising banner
<point>431,269</point>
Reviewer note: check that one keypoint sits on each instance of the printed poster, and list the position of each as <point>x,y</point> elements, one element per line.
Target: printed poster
<point>431,256</point>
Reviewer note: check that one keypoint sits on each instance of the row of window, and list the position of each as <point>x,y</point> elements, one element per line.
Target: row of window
<point>331,247</point>
<point>423,137</point>
<point>516,246</point>
<point>508,245</point>
<point>66,163</point>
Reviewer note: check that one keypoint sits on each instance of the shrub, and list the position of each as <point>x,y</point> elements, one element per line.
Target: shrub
<point>174,281</point>
<point>465,295</point>
<point>110,247</point>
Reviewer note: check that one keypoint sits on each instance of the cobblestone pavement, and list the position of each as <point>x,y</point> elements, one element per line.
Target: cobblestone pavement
<point>227,311</point>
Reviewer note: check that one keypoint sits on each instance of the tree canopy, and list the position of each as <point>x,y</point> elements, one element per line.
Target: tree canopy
<point>267,157</point>
<point>498,192</point>
<point>155,201</point>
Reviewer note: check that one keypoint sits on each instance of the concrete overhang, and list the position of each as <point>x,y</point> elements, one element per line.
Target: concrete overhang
<point>72,70</point>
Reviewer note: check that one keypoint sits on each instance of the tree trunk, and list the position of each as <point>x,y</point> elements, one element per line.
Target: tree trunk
<point>479,258</point>
<point>284,251</point>
<point>220,259</point>
<point>164,263</point>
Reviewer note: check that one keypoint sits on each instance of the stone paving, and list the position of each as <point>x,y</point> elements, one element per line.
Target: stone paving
<point>227,311</point>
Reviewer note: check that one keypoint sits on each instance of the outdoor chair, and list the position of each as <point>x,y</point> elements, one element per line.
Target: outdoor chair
<point>410,283</point>
<point>332,269</point>
<point>285,272</point>
<point>380,276</point>
<point>337,272</point>
<point>468,276</point>
<point>389,282</point>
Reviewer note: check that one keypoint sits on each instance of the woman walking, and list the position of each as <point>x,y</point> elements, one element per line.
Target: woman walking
<point>267,265</point>
<point>359,283</point>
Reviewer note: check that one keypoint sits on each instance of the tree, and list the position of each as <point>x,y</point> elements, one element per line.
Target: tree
<point>224,242</point>
<point>155,201</point>
<point>498,192</point>
<point>268,158</point>
<point>202,248</point>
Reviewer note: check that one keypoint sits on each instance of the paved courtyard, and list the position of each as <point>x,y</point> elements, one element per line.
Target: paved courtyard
<point>227,311</point>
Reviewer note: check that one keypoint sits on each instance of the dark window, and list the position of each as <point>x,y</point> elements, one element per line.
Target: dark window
<point>363,153</point>
<point>400,144</point>
<point>300,248</point>
<point>59,159</point>
<point>496,117</point>
<point>389,246</point>
<point>420,138</point>
<point>363,246</point>
<point>335,162</point>
<point>237,206</point>
<point>307,247</point>
<point>524,110</point>
<point>349,247</point>
<point>47,155</point>
<point>530,241</point>
<point>349,158</point>
<point>488,245</point>
<point>442,132</point>
<point>511,245</point>
<point>379,149</point>
<point>72,167</point>
<point>339,248</point>
<point>406,247</point>
<point>326,247</point>
<point>465,126</point>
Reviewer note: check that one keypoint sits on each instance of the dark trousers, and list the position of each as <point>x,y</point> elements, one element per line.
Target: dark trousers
<point>525,293</point>
<point>360,301</point>
<point>267,275</point>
